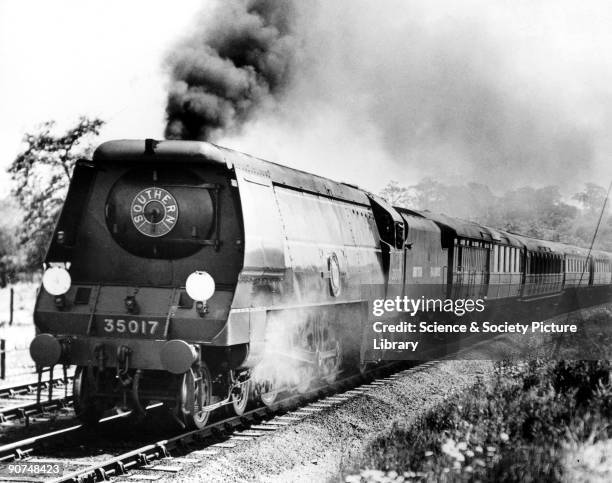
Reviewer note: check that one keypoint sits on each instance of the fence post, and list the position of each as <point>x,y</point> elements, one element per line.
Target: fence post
<point>2,359</point>
<point>11,307</point>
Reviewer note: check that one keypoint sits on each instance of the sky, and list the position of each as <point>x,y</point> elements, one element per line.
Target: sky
<point>60,59</point>
<point>497,91</point>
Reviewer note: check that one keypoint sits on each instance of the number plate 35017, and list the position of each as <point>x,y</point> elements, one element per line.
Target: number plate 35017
<point>149,328</point>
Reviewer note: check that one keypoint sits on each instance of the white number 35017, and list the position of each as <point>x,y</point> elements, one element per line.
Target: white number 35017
<point>141,327</point>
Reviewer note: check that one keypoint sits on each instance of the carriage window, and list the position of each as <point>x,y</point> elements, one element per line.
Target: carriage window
<point>517,259</point>
<point>497,258</point>
<point>517,267</point>
<point>552,264</point>
<point>493,258</point>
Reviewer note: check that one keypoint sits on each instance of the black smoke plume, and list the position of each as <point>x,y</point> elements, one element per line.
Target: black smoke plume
<point>367,91</point>
<point>238,61</point>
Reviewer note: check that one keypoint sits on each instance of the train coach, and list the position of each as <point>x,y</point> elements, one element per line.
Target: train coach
<point>204,278</point>
<point>485,262</point>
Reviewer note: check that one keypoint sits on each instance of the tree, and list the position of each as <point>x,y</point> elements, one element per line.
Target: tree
<point>396,195</point>
<point>539,212</point>
<point>10,219</point>
<point>41,173</point>
<point>591,198</point>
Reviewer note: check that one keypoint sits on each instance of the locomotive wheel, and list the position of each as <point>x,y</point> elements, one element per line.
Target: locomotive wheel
<point>305,376</point>
<point>195,392</point>
<point>269,396</point>
<point>265,385</point>
<point>331,366</point>
<point>306,342</point>
<point>87,407</point>
<point>241,398</point>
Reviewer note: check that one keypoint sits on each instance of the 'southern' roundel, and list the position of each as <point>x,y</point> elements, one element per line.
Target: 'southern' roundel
<point>154,212</point>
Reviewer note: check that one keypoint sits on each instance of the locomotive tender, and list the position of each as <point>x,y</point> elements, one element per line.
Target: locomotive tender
<point>191,274</point>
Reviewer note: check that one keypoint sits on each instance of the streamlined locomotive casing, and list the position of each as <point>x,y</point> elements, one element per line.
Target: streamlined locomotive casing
<point>110,259</point>
<point>281,245</point>
<point>311,244</point>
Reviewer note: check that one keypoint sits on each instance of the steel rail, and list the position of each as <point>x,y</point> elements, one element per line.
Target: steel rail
<point>23,448</point>
<point>142,456</point>
<point>25,411</point>
<point>30,388</point>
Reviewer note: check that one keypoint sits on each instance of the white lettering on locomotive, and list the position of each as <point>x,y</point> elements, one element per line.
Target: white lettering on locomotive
<point>139,327</point>
<point>154,212</point>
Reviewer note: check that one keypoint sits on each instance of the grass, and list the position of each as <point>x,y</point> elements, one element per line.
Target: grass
<point>543,420</point>
<point>23,303</point>
<point>527,424</point>
<point>18,335</point>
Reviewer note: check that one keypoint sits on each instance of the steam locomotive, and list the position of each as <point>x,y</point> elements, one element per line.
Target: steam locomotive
<point>204,278</point>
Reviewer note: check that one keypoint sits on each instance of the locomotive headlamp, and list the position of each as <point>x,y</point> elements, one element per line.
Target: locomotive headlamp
<point>56,281</point>
<point>200,286</point>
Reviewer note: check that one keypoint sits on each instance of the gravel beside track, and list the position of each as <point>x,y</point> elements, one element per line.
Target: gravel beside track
<point>319,446</point>
<point>112,457</point>
<point>223,433</point>
<point>313,441</point>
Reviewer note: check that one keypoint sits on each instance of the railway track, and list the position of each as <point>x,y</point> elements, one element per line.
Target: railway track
<point>225,433</point>
<point>23,412</point>
<point>23,449</point>
<point>30,387</point>
<point>18,403</point>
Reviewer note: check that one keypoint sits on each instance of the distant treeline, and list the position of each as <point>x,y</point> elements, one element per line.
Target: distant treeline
<point>40,175</point>
<point>539,212</point>
<point>11,259</point>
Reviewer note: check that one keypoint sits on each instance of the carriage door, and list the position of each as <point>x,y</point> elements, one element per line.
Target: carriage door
<point>391,230</point>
